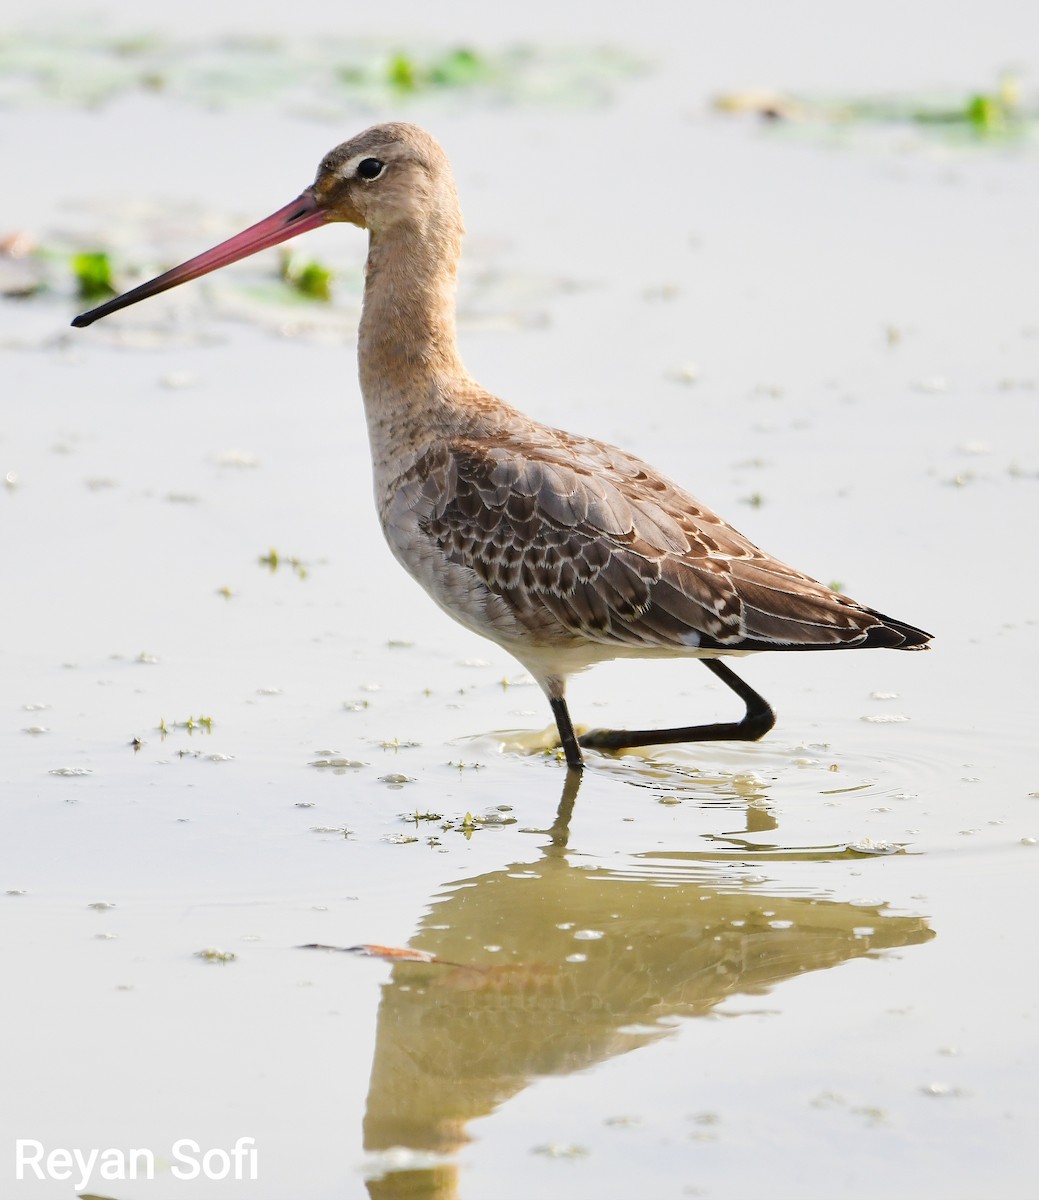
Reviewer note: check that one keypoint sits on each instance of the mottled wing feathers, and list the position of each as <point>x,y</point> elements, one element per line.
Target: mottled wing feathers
<point>573,530</point>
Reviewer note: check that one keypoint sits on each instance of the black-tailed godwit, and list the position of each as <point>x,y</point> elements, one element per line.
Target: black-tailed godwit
<point>563,550</point>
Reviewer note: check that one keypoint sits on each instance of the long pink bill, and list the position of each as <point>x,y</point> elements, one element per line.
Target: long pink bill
<point>302,214</point>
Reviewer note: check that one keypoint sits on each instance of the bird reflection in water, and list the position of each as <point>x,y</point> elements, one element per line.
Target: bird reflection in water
<point>549,967</point>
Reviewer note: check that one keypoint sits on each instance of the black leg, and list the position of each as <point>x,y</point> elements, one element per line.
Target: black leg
<point>758,720</point>
<point>571,747</point>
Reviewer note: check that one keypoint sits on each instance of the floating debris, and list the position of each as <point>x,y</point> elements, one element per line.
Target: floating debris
<point>867,845</point>
<point>990,116</point>
<point>273,560</point>
<point>495,818</point>
<point>397,744</point>
<point>191,725</point>
<point>944,1091</point>
<point>390,953</point>
<point>933,385</point>
<point>178,381</point>
<point>237,458</point>
<point>212,955</point>
<point>687,374</point>
<point>560,1150</point>
<point>22,273</point>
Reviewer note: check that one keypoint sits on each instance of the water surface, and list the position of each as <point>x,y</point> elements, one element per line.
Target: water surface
<point>797,968</point>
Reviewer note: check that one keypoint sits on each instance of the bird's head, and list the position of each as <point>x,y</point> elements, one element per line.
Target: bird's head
<point>389,177</point>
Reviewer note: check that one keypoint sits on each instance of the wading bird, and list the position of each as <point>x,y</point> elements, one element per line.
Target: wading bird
<point>563,550</point>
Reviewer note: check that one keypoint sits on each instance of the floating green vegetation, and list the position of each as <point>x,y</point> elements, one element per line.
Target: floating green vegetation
<point>470,823</point>
<point>92,270</point>
<point>311,279</point>
<point>460,67</point>
<point>272,560</point>
<point>314,281</point>
<point>267,292</point>
<point>321,77</point>
<point>998,115</point>
<point>192,725</point>
<point>397,744</point>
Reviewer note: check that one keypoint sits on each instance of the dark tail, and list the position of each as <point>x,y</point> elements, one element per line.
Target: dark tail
<point>896,635</point>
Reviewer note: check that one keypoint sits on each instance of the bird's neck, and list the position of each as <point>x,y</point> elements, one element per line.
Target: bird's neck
<point>408,359</point>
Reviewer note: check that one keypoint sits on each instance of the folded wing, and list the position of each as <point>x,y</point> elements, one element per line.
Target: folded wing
<point>617,554</point>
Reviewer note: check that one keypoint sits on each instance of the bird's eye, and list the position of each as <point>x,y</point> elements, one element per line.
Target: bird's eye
<point>369,168</point>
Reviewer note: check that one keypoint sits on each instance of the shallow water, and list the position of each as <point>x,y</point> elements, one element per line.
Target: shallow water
<point>799,968</point>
